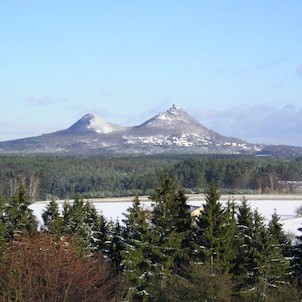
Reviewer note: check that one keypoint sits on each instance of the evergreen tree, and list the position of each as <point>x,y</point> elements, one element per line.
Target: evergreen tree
<point>259,261</point>
<point>171,230</point>
<point>81,220</point>
<point>53,222</point>
<point>136,255</point>
<point>211,228</point>
<point>243,264</point>
<point>275,228</point>
<point>229,250</point>
<point>98,228</point>
<point>269,263</point>
<point>297,259</point>
<point>114,244</point>
<point>2,227</point>
<point>18,217</point>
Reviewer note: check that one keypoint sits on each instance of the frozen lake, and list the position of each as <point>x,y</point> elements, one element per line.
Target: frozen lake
<point>285,206</point>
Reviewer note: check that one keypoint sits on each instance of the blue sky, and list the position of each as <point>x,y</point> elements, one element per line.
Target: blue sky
<point>236,66</point>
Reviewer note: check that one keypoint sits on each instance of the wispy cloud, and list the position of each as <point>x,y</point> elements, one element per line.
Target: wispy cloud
<point>140,117</point>
<point>272,62</point>
<point>103,92</point>
<point>255,123</point>
<point>299,70</point>
<point>277,85</point>
<point>44,101</point>
<point>21,129</point>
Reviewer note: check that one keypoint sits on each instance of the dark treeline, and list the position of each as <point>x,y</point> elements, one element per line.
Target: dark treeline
<point>64,176</point>
<point>228,253</point>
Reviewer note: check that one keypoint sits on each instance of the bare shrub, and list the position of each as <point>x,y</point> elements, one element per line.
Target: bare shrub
<point>42,269</point>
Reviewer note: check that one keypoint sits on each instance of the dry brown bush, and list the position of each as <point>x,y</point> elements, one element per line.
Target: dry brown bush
<point>45,270</point>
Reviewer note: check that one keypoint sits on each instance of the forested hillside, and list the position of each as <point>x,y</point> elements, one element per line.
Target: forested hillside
<point>64,176</point>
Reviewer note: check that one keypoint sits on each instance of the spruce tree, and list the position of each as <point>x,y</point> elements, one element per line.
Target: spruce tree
<point>243,264</point>
<point>98,228</point>
<point>114,245</point>
<point>229,250</point>
<point>82,221</point>
<point>171,230</point>
<point>2,227</point>
<point>18,217</point>
<point>137,265</point>
<point>269,264</point>
<point>211,229</point>
<point>297,259</point>
<point>275,228</point>
<point>259,262</point>
<point>53,222</point>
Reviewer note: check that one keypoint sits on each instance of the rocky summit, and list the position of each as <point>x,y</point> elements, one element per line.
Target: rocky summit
<point>173,131</point>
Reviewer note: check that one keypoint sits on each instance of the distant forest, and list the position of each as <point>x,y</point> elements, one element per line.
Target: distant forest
<point>62,177</point>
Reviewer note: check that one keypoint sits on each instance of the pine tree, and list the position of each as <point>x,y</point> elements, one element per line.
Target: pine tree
<point>243,264</point>
<point>259,261</point>
<point>230,233</point>
<point>297,259</point>
<point>2,227</point>
<point>211,229</point>
<point>269,263</point>
<point>98,228</point>
<point>136,263</point>
<point>275,228</point>
<point>53,222</point>
<point>171,230</point>
<point>114,245</point>
<point>81,220</point>
<point>18,217</point>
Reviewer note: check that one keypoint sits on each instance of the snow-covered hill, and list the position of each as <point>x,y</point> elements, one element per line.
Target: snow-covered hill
<point>91,122</point>
<point>174,121</point>
<point>173,131</point>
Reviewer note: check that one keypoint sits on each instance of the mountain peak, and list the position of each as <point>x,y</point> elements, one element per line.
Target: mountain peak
<point>172,114</point>
<point>172,131</point>
<point>176,121</point>
<point>93,123</point>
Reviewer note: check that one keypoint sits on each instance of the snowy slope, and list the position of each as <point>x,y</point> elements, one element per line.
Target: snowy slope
<point>91,122</point>
<point>174,121</point>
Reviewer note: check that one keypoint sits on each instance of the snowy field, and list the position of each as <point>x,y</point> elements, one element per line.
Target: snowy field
<point>285,206</point>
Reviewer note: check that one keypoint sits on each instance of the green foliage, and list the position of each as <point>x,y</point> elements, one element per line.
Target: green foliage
<point>155,249</point>
<point>281,240</point>
<point>211,229</point>
<point>237,253</point>
<point>230,232</point>
<point>81,220</point>
<point>136,255</point>
<point>269,264</point>
<point>53,222</point>
<point>105,176</point>
<point>18,217</point>
<point>243,264</point>
<point>297,259</point>
<point>171,228</point>
<point>260,263</point>
<point>114,245</point>
<point>2,227</point>
<point>238,174</point>
<point>202,284</point>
